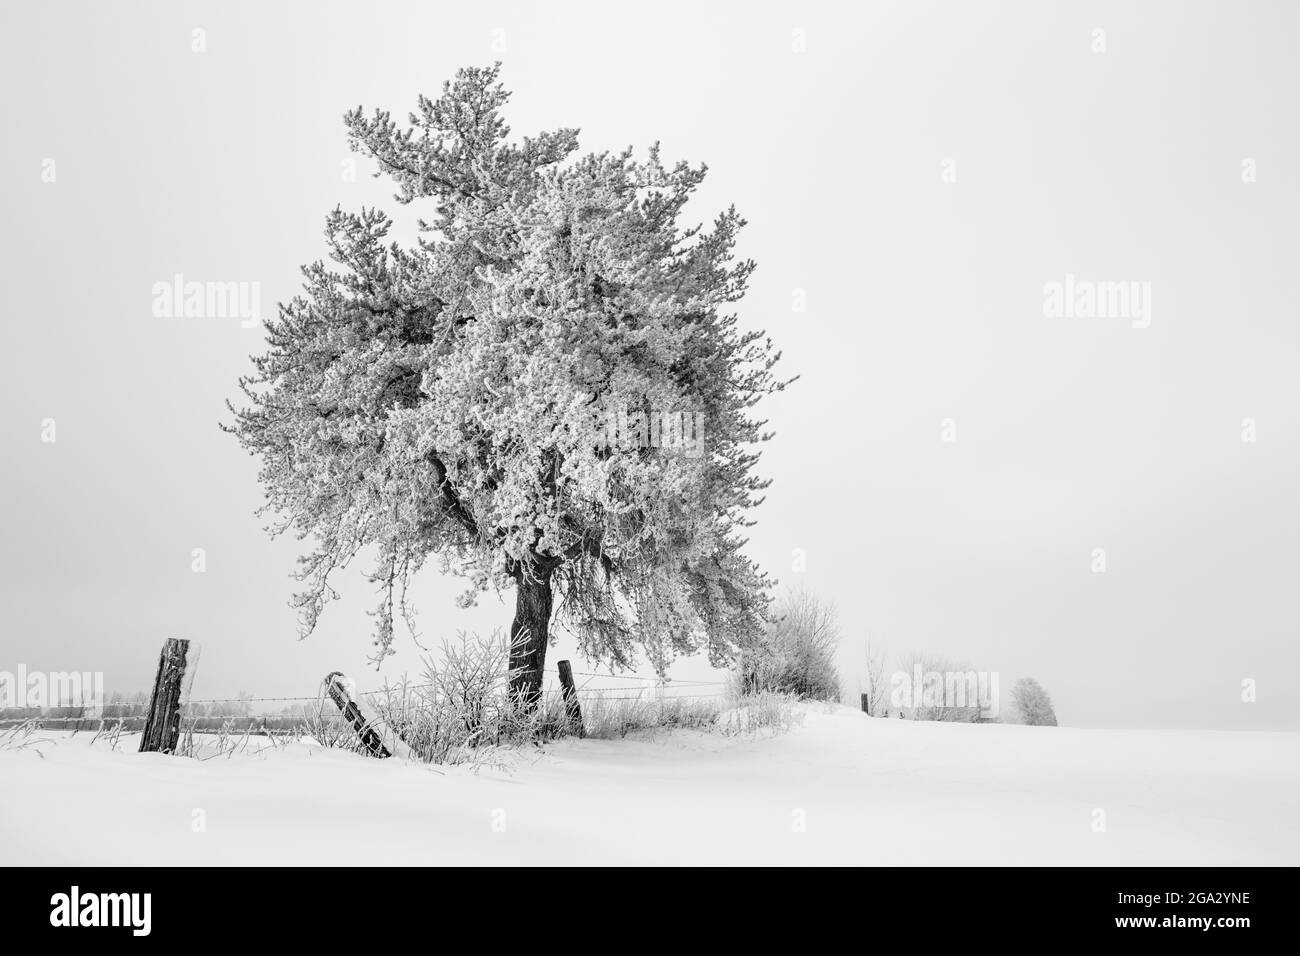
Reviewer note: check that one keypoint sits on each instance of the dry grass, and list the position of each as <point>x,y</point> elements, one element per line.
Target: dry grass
<point>227,741</point>
<point>769,712</point>
<point>611,718</point>
<point>24,737</point>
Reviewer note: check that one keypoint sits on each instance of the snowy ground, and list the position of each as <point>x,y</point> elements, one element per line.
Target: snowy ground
<point>866,791</point>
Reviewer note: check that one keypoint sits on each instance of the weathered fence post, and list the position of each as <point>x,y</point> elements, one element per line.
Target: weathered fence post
<point>352,714</point>
<point>866,709</point>
<point>162,726</point>
<point>572,709</point>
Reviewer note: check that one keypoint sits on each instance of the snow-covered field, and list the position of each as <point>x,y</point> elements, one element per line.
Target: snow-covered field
<point>840,788</point>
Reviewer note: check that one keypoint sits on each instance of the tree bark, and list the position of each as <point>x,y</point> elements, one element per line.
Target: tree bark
<point>529,632</point>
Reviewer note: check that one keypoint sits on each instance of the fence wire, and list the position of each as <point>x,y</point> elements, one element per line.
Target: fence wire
<point>651,689</point>
<point>654,686</point>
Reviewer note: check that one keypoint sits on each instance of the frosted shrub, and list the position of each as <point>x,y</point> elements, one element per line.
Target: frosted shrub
<point>795,654</point>
<point>462,711</point>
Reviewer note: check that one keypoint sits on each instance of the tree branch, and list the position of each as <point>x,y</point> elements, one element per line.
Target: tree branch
<point>450,500</point>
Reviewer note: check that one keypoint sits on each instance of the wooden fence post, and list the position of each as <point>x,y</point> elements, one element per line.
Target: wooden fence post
<point>865,709</point>
<point>162,726</point>
<point>572,709</point>
<point>373,743</point>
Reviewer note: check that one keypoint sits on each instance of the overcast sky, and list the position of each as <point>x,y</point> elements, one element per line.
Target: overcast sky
<point>915,175</point>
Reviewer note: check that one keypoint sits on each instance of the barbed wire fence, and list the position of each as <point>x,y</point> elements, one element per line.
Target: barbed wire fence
<point>206,714</point>
<point>650,687</point>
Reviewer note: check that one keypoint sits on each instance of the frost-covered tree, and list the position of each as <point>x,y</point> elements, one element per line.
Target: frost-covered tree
<point>795,653</point>
<point>1032,704</point>
<point>452,400</point>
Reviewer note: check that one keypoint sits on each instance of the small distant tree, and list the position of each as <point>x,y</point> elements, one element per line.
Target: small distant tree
<point>795,652</point>
<point>1032,704</point>
<point>874,685</point>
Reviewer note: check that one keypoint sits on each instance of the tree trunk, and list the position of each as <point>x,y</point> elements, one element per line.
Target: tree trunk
<point>529,632</point>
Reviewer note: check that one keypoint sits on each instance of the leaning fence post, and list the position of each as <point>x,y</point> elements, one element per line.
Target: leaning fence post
<point>162,725</point>
<point>380,736</point>
<point>338,692</point>
<point>572,709</point>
